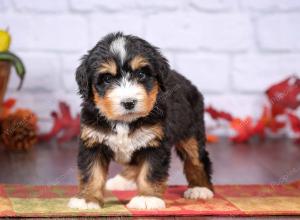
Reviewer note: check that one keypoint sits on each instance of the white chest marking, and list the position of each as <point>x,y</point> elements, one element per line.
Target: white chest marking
<point>124,144</point>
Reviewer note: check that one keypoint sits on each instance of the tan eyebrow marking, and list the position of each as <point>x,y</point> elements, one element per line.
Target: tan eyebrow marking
<point>138,62</point>
<point>108,66</point>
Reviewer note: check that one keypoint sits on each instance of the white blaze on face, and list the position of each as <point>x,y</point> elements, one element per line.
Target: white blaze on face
<point>117,47</point>
<point>125,90</point>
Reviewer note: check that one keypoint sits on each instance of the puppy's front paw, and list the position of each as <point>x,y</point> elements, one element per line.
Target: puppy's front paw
<point>120,183</point>
<point>77,203</point>
<point>198,193</point>
<point>146,202</point>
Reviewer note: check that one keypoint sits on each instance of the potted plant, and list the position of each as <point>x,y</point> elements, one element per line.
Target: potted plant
<point>8,59</point>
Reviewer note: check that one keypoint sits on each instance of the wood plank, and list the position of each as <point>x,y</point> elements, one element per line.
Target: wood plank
<point>266,162</point>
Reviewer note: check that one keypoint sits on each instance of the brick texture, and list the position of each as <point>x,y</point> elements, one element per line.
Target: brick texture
<point>271,5</point>
<point>2,6</point>
<point>37,6</point>
<point>195,31</point>
<point>279,32</point>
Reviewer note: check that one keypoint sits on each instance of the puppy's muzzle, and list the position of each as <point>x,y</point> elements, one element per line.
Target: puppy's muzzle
<point>129,104</point>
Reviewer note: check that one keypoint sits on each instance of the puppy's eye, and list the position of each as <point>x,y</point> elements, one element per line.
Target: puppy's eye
<point>141,75</point>
<point>107,78</point>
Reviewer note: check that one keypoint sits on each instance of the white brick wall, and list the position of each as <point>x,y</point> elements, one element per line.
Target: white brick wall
<point>279,32</point>
<point>205,73</point>
<point>271,5</point>
<point>200,31</point>
<point>32,6</point>
<point>231,49</point>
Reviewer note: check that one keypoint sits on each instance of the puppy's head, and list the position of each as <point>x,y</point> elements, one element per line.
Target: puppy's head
<point>122,76</point>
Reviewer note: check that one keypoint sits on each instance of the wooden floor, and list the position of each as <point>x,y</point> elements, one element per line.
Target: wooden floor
<point>272,161</point>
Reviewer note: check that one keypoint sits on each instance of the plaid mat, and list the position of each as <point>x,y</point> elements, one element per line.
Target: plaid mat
<point>230,200</point>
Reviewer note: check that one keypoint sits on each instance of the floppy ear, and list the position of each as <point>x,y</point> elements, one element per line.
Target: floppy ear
<point>82,79</point>
<point>163,72</point>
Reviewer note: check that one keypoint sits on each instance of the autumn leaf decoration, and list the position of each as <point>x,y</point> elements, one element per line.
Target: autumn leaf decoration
<point>284,95</point>
<point>283,98</point>
<point>215,114</point>
<point>65,127</point>
<point>6,108</point>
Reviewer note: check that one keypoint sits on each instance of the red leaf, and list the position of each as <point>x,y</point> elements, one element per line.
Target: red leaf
<point>73,131</point>
<point>267,120</point>
<point>6,108</point>
<point>262,123</point>
<point>295,122</point>
<point>284,95</point>
<point>275,125</point>
<point>215,114</point>
<point>9,103</point>
<point>65,111</point>
<point>243,129</point>
<point>210,138</point>
<point>64,126</point>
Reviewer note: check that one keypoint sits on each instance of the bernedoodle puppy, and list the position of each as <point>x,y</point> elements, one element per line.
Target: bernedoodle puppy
<point>134,110</point>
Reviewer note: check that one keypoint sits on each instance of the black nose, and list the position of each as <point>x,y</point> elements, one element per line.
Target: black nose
<point>129,104</point>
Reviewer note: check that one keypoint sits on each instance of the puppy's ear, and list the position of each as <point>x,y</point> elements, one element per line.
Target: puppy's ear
<point>163,72</point>
<point>82,79</point>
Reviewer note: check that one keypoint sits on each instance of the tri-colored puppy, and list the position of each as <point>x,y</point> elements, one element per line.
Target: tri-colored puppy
<point>134,110</point>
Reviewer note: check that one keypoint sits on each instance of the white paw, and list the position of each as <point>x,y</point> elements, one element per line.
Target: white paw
<point>120,183</point>
<point>198,193</point>
<point>76,203</point>
<point>146,202</point>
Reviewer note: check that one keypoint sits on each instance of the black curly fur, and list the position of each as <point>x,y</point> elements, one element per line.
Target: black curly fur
<point>179,107</point>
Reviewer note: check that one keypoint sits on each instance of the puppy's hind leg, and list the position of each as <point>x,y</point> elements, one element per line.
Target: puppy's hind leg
<point>197,169</point>
<point>126,180</point>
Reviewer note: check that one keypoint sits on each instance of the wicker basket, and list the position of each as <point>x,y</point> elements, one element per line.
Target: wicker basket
<point>4,77</point>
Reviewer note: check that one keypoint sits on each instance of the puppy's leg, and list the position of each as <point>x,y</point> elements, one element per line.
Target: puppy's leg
<point>126,180</point>
<point>93,167</point>
<point>151,182</point>
<point>196,165</point>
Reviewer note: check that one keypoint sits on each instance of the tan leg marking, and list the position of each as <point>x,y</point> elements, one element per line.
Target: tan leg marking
<point>91,193</point>
<point>193,167</point>
<point>130,172</point>
<point>145,187</point>
<point>149,194</point>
